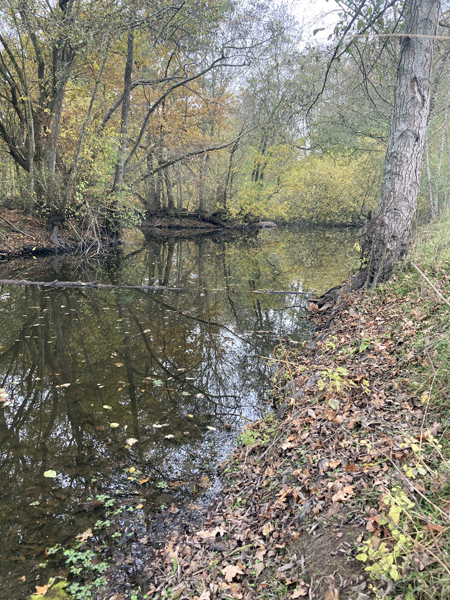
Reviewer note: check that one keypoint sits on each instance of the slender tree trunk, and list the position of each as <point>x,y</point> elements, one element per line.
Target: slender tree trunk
<point>65,62</point>
<point>179,191</point>
<point>170,200</point>
<point>388,235</point>
<point>73,170</point>
<point>118,178</point>
<point>153,198</point>
<point>204,168</point>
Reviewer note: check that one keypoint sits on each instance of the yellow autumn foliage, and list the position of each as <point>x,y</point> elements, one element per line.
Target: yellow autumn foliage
<point>320,188</point>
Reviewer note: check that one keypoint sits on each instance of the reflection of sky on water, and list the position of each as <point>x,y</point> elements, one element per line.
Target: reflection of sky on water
<point>194,360</point>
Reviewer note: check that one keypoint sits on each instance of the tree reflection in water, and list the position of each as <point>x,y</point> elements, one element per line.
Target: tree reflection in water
<point>74,361</point>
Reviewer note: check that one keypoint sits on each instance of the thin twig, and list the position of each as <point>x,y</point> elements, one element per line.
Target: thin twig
<point>429,283</point>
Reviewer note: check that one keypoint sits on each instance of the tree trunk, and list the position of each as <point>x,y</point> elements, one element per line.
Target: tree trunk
<point>388,235</point>
<point>118,178</point>
<point>170,199</point>
<point>153,203</point>
<point>204,168</point>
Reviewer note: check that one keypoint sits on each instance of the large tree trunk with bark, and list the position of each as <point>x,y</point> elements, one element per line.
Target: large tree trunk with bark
<point>388,235</point>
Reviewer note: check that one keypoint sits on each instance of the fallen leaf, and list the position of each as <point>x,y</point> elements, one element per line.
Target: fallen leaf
<point>107,407</point>
<point>132,470</point>
<point>334,403</point>
<point>231,571</point>
<point>114,425</point>
<point>268,528</point>
<point>300,591</point>
<point>260,554</point>
<point>85,535</point>
<point>259,568</point>
<point>334,463</point>
<point>433,527</point>
<point>344,494</point>
<point>141,481</point>
<point>42,589</point>
<point>205,595</point>
<point>119,364</point>
<point>350,468</point>
<point>50,473</point>
<point>331,594</point>
<point>176,593</point>
<point>169,437</point>
<point>130,441</point>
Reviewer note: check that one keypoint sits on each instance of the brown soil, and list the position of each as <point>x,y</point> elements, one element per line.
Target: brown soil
<point>22,236</point>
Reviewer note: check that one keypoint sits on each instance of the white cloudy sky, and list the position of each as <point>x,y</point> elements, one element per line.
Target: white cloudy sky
<point>315,14</point>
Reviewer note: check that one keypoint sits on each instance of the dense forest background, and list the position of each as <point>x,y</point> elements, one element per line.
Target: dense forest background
<point>111,113</point>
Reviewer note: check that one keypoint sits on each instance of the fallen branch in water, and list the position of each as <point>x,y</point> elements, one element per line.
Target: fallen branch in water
<point>281,292</point>
<point>81,284</point>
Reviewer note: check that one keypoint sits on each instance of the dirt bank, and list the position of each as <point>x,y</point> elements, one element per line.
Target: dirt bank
<point>24,236</point>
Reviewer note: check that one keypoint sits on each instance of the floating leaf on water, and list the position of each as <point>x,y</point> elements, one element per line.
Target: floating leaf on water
<point>146,330</point>
<point>141,481</point>
<point>85,535</point>
<point>35,503</point>
<point>157,425</point>
<point>119,364</point>
<point>130,441</point>
<point>50,473</point>
<point>169,437</point>
<point>185,393</point>
<point>114,425</point>
<point>191,416</point>
<point>132,470</point>
<point>140,506</point>
<point>107,407</point>
<point>211,428</point>
<point>64,385</point>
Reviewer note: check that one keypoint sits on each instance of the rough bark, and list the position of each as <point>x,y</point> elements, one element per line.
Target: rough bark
<point>388,235</point>
<point>118,179</point>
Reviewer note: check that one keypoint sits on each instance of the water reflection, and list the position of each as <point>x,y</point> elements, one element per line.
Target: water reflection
<point>86,371</point>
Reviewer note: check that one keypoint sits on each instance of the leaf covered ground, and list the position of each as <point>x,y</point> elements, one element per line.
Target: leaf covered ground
<point>344,490</point>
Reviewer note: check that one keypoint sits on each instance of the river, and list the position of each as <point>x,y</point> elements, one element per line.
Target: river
<point>136,393</point>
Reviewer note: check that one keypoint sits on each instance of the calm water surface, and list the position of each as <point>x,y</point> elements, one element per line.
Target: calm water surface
<point>176,373</point>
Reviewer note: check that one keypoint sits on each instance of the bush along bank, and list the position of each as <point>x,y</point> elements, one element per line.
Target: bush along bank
<point>344,491</point>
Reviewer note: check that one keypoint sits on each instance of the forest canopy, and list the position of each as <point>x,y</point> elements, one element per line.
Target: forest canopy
<point>114,112</point>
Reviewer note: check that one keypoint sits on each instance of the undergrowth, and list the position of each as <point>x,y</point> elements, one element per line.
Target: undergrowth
<point>409,549</point>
